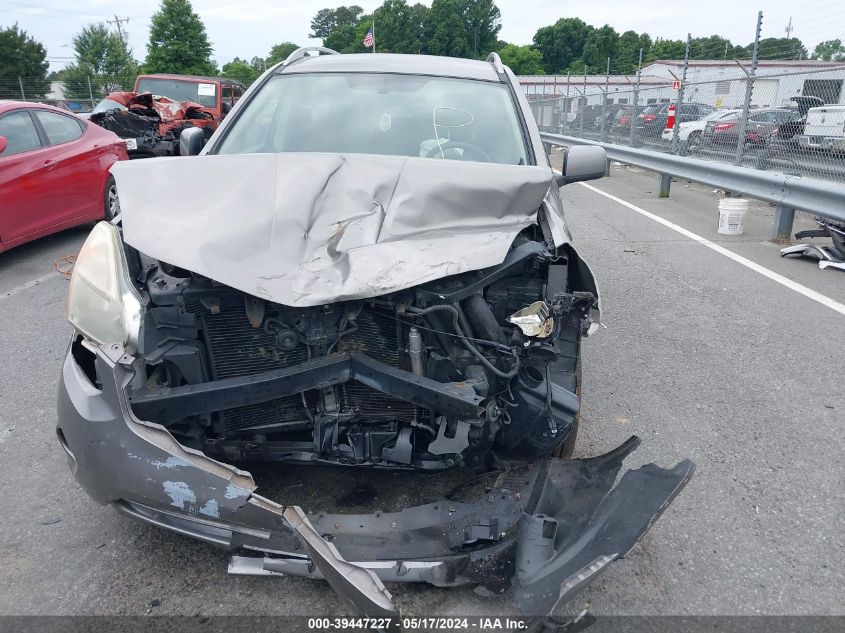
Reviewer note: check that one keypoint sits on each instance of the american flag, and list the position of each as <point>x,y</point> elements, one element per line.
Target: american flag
<point>369,38</point>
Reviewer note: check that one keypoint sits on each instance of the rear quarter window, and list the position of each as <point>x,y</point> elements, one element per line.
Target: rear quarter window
<point>58,127</point>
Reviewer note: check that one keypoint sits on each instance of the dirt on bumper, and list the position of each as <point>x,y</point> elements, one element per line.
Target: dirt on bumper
<point>537,534</point>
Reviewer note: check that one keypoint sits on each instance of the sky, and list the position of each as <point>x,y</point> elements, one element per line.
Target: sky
<point>246,28</point>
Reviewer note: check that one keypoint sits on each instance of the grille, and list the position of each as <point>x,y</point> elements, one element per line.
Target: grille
<point>235,348</point>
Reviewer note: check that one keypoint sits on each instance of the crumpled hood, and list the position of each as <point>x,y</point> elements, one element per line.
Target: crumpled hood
<point>303,229</point>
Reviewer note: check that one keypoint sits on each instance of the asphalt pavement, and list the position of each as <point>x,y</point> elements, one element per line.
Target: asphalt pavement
<point>701,356</point>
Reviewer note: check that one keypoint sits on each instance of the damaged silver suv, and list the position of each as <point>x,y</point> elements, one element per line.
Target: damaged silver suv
<point>366,267</point>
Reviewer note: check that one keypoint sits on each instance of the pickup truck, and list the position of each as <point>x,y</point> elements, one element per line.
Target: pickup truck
<point>152,116</point>
<point>824,128</point>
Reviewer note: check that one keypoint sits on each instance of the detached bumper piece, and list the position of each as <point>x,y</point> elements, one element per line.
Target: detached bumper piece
<point>829,256</point>
<point>540,545</point>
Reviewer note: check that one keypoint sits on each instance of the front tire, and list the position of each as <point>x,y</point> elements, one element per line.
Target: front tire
<point>111,203</point>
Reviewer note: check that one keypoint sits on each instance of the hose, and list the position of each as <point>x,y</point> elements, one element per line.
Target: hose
<point>417,312</point>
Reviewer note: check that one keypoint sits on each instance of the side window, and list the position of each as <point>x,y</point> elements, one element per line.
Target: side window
<point>227,94</point>
<point>760,118</point>
<point>236,90</point>
<point>20,132</point>
<point>59,128</point>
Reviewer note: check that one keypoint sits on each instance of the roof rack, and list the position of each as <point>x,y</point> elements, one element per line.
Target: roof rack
<point>301,53</point>
<point>498,66</point>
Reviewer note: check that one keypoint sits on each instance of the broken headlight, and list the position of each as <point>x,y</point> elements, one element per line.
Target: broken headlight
<point>101,302</point>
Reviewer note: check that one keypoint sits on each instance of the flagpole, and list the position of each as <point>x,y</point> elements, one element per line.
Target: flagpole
<point>374,32</point>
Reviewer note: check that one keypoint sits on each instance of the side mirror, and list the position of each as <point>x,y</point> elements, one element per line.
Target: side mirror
<point>191,141</point>
<point>4,143</point>
<point>583,162</point>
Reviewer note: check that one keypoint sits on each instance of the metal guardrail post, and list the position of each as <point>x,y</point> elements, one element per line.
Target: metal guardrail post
<point>782,224</point>
<point>784,219</point>
<point>665,183</point>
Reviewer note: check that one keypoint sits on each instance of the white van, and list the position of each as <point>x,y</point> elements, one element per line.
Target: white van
<point>824,128</point>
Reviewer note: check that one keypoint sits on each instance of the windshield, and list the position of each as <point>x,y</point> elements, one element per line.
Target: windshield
<point>204,93</point>
<point>400,115</point>
<point>108,104</point>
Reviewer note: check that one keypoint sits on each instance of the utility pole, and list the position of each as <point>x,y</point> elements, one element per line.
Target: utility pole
<point>789,28</point>
<point>749,86</point>
<point>117,22</point>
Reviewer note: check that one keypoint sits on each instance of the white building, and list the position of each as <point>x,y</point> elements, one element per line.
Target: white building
<point>719,83</point>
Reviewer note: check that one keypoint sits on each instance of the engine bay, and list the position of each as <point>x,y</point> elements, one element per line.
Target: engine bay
<point>448,373</point>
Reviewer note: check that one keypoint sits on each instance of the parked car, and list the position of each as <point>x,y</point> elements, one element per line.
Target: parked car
<point>652,121</point>
<point>824,128</point>
<point>690,132</point>
<point>762,122</point>
<point>54,172</point>
<point>367,266</point>
<point>151,124</point>
<point>609,116</point>
<point>622,121</point>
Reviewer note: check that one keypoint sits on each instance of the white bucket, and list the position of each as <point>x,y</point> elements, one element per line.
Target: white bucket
<point>731,214</point>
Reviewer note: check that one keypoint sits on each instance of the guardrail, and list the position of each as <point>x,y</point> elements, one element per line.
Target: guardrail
<point>788,192</point>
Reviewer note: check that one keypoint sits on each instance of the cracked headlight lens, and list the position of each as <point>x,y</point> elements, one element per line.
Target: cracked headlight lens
<point>101,302</point>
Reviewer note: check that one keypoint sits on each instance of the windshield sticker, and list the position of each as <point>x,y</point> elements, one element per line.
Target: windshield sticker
<point>205,90</point>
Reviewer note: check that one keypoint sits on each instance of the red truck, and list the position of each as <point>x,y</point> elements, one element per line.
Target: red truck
<point>151,118</point>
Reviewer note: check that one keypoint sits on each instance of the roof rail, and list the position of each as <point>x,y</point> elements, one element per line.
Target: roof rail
<point>301,53</point>
<point>494,59</point>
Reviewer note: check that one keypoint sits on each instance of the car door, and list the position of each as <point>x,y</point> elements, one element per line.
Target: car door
<point>22,165</point>
<point>73,181</point>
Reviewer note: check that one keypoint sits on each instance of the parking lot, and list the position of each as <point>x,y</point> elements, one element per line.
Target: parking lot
<point>701,357</point>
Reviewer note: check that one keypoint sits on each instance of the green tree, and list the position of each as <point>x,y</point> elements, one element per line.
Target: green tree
<point>779,48</point>
<point>562,43</point>
<point>178,41</point>
<point>666,49</point>
<point>399,27</point>
<point>328,20</point>
<point>445,30</point>
<point>483,21</point>
<point>24,57</point>
<point>522,60</point>
<point>280,52</point>
<point>601,44</point>
<point>239,69</point>
<point>102,58</point>
<point>714,47</point>
<point>627,55</point>
<point>829,51</point>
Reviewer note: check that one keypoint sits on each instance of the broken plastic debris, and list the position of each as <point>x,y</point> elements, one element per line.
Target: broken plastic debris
<point>534,320</point>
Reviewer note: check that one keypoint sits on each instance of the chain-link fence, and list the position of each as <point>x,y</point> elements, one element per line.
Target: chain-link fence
<point>77,94</point>
<point>786,116</point>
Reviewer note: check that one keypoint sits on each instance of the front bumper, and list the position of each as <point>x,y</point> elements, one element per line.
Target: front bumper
<point>833,143</point>
<point>539,534</point>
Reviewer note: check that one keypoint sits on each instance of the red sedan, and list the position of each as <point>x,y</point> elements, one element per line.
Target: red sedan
<point>54,172</point>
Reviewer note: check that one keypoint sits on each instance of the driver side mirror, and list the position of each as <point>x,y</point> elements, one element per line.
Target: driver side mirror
<point>4,143</point>
<point>191,141</point>
<point>582,162</point>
